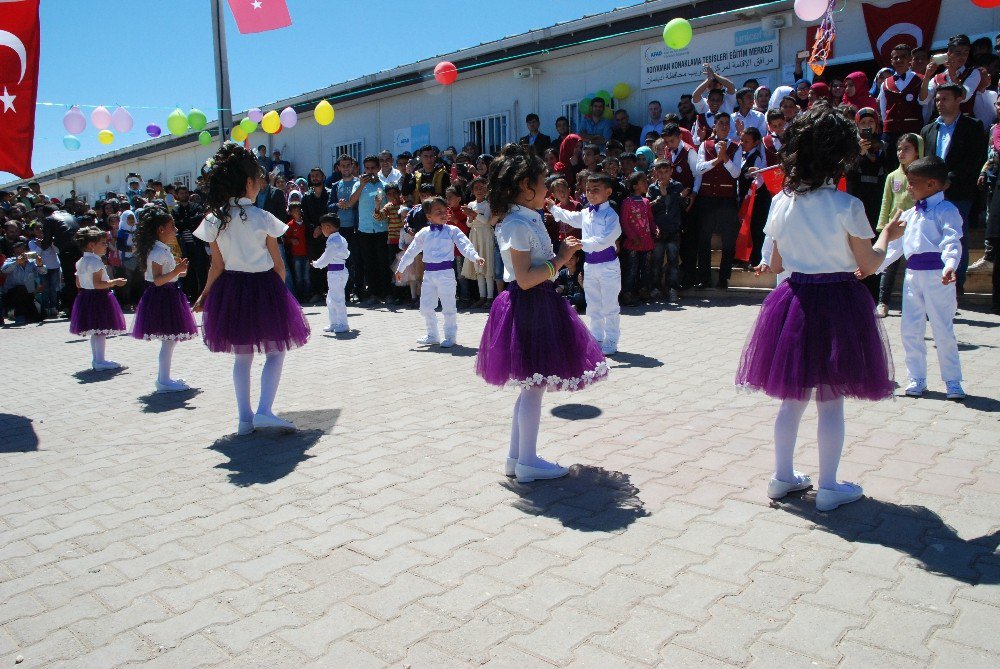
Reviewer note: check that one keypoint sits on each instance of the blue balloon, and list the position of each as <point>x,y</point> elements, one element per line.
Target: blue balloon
<point>71,142</point>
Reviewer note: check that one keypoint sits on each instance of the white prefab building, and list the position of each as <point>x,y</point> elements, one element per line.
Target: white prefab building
<point>545,71</point>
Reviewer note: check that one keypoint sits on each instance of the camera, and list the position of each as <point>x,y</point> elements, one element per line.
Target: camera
<point>867,133</point>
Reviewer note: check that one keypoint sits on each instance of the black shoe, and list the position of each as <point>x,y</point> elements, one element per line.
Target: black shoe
<point>722,284</point>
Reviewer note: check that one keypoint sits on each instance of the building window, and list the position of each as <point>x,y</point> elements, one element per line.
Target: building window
<point>355,149</point>
<point>183,179</point>
<point>571,110</point>
<point>489,133</point>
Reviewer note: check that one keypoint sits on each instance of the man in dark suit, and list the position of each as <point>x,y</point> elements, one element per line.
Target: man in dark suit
<point>272,200</point>
<point>536,140</point>
<point>961,142</point>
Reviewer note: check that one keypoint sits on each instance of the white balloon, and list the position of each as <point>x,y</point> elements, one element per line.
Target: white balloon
<point>121,120</point>
<point>810,10</point>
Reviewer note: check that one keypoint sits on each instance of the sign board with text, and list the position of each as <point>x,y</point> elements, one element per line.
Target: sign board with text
<point>410,139</point>
<point>732,52</point>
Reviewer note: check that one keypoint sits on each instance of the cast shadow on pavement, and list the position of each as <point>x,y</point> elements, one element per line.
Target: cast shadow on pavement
<point>624,360</point>
<point>17,434</point>
<point>161,402</point>
<point>576,411</point>
<point>589,499</point>
<point>910,529</point>
<point>458,350</point>
<point>97,376</point>
<point>264,456</point>
<point>974,402</point>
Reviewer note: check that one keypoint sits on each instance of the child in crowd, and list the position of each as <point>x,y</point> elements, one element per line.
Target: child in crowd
<point>817,334</point>
<point>932,244</point>
<point>533,339</point>
<point>458,218</point>
<point>392,212</point>
<point>96,312</point>
<point>896,196</point>
<point>247,306</point>
<point>602,280</point>
<point>772,141</point>
<point>408,277</point>
<point>667,199</point>
<point>437,242</point>
<point>298,251</point>
<point>481,236</point>
<point>569,282</point>
<point>640,232</point>
<point>163,313</point>
<point>334,259</point>
<point>559,188</point>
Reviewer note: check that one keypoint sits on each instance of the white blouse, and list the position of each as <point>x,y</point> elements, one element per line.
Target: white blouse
<point>812,230</point>
<point>243,244</point>
<point>161,255</point>
<point>87,266</point>
<point>522,229</point>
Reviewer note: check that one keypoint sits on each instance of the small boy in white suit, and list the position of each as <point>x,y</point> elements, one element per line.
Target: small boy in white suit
<point>334,258</point>
<point>437,241</point>
<point>602,276</point>
<point>932,244</point>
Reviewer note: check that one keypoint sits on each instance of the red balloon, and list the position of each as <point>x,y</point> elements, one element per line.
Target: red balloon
<point>988,4</point>
<point>445,73</point>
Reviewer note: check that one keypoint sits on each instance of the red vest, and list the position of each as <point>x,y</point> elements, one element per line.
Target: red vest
<point>903,112</point>
<point>718,182</point>
<point>770,152</point>
<point>966,107</point>
<point>682,168</point>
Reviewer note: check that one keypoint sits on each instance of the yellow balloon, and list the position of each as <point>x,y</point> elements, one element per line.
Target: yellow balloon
<point>105,137</point>
<point>271,122</point>
<point>238,134</point>
<point>324,113</point>
<point>621,90</point>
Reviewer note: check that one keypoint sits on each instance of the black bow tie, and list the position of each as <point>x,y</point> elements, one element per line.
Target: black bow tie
<point>898,77</point>
<point>435,227</point>
<point>709,114</point>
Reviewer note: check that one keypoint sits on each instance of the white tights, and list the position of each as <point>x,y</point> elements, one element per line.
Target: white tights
<point>524,427</point>
<point>486,287</point>
<point>97,346</point>
<point>830,436</point>
<point>166,355</point>
<point>269,379</point>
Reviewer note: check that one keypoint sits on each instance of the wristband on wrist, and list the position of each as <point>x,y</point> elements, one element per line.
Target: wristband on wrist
<point>552,270</point>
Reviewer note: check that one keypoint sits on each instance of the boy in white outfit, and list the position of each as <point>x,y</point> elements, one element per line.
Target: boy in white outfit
<point>437,241</point>
<point>602,275</point>
<point>334,258</point>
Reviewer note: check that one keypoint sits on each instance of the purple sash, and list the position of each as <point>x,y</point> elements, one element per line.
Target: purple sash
<point>607,255</point>
<point>919,261</point>
<point>439,266</point>
<point>334,267</point>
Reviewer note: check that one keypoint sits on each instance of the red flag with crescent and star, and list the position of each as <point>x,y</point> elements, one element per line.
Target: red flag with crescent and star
<point>257,16</point>
<point>911,22</point>
<point>19,38</point>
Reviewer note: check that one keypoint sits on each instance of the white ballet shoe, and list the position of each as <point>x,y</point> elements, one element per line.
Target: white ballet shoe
<point>508,466</point>
<point>171,387</point>
<point>428,341</point>
<point>104,365</point>
<point>263,420</point>
<point>776,488</point>
<point>828,500</point>
<point>447,342</point>
<point>244,427</point>
<point>526,474</point>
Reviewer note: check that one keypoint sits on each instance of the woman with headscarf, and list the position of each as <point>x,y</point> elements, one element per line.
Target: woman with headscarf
<point>856,91</point>
<point>569,159</point>
<point>818,92</point>
<point>866,177</point>
<point>802,94</point>
<point>780,93</point>
<point>761,99</point>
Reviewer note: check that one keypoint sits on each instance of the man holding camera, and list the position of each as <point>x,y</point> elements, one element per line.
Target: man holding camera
<point>22,272</point>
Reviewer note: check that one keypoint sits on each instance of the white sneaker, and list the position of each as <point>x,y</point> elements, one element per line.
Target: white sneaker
<point>428,341</point>
<point>776,488</point>
<point>916,387</point>
<point>981,265</point>
<point>882,310</point>
<point>954,391</point>
<point>609,347</point>
<point>103,365</point>
<point>508,466</point>
<point>828,500</point>
<point>171,387</point>
<point>263,420</point>
<point>526,474</point>
<point>329,328</point>
<point>244,427</point>
<point>447,342</point>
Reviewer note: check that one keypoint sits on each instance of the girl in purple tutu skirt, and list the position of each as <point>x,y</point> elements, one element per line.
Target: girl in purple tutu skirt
<point>817,335</point>
<point>533,338</point>
<point>163,313</point>
<point>247,306</point>
<point>96,312</point>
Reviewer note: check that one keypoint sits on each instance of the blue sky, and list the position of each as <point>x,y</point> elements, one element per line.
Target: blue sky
<point>159,54</point>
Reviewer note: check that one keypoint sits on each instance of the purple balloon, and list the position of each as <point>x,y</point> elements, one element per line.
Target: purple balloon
<point>153,130</point>
<point>288,117</point>
<point>255,115</point>
<point>74,121</point>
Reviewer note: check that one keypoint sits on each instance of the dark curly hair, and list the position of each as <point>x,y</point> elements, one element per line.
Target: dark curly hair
<point>513,165</point>
<point>151,218</point>
<point>226,177</point>
<point>820,144</point>
<point>88,234</point>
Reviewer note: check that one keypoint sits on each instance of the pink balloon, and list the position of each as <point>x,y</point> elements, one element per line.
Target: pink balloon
<point>255,115</point>
<point>101,118</point>
<point>74,121</point>
<point>810,10</point>
<point>288,117</point>
<point>121,120</point>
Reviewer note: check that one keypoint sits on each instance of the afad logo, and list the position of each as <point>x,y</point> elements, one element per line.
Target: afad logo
<point>753,36</point>
<point>652,52</point>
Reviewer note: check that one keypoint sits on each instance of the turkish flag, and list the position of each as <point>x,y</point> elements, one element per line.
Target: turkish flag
<point>257,16</point>
<point>744,240</point>
<point>911,23</point>
<point>19,38</point>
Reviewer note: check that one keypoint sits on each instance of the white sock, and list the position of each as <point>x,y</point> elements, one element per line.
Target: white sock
<point>514,450</point>
<point>241,383</point>
<point>166,354</point>
<point>529,415</point>
<point>786,430</point>
<point>830,436</point>
<point>269,379</point>
<point>97,345</point>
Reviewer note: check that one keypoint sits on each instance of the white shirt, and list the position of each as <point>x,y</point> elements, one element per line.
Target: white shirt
<point>599,229</point>
<point>812,230</point>
<point>87,266</point>
<point>49,256</point>
<point>760,162</point>
<point>937,230</point>
<point>706,165</point>
<point>243,243</point>
<point>393,177</point>
<point>482,210</point>
<point>438,246</point>
<point>161,255</point>
<point>971,84</point>
<point>522,229</point>
<point>728,103</point>
<point>753,119</point>
<point>692,164</point>
<point>335,252</point>
<point>984,108</point>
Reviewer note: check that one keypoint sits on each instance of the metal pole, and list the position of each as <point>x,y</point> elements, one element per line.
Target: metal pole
<point>221,71</point>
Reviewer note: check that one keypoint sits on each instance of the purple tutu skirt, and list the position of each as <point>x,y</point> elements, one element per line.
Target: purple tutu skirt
<point>252,311</point>
<point>96,312</point>
<point>163,313</point>
<point>818,331</point>
<point>535,338</point>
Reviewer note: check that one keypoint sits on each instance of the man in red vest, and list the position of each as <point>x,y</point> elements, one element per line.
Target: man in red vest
<point>899,104</point>
<point>717,206</point>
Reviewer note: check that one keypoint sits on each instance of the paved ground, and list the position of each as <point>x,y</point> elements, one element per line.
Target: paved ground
<point>134,528</point>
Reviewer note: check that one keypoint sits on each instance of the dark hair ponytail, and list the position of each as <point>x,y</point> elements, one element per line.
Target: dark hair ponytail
<point>821,145</point>
<point>150,219</point>
<point>511,167</point>
<point>226,176</point>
